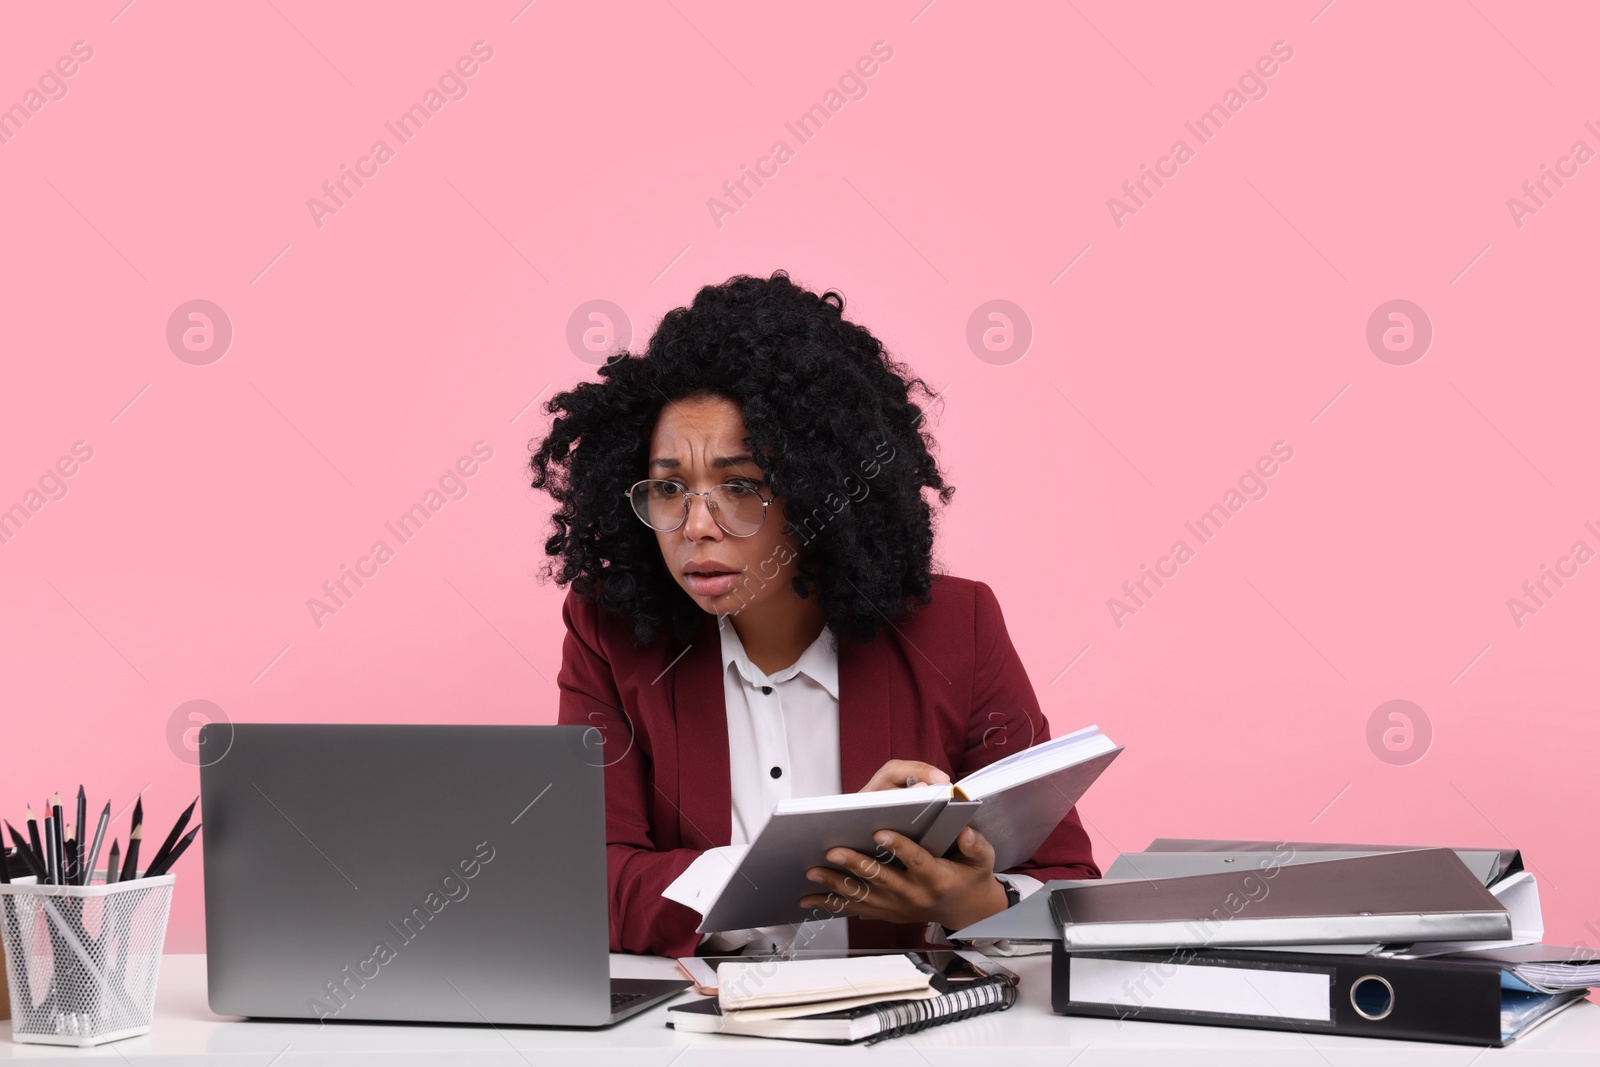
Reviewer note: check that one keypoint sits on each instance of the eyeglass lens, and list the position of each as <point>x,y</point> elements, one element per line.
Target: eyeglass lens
<point>663,505</point>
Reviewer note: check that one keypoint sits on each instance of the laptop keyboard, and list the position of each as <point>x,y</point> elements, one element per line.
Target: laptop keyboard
<point>622,1000</point>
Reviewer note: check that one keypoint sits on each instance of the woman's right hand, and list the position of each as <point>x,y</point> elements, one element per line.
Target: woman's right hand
<point>896,773</point>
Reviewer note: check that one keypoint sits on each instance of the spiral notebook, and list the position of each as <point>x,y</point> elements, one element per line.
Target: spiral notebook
<point>870,1023</point>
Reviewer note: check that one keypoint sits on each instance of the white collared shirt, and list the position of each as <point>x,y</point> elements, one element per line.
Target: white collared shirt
<point>788,721</point>
<point>783,729</point>
<point>783,742</point>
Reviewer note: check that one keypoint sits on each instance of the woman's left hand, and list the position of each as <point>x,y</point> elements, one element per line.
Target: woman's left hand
<point>954,893</point>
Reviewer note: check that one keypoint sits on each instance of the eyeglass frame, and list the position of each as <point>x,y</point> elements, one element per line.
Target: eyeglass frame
<point>766,502</point>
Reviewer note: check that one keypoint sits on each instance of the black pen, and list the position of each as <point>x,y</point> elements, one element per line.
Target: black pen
<point>69,852</point>
<point>172,837</point>
<point>29,856</point>
<point>50,851</point>
<point>94,849</point>
<point>83,838</point>
<point>163,865</point>
<point>58,851</point>
<point>130,862</point>
<point>111,864</point>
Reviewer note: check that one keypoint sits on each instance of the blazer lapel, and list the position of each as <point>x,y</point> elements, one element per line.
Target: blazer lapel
<point>866,711</point>
<point>705,792</point>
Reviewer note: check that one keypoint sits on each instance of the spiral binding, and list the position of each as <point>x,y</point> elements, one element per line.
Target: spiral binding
<point>899,1017</point>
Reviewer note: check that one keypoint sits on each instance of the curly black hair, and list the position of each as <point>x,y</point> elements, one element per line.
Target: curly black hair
<point>829,414</point>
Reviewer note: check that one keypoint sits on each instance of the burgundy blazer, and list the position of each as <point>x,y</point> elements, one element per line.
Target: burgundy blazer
<point>943,685</point>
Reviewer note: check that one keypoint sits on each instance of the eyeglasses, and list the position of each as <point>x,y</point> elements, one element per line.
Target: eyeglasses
<point>663,505</point>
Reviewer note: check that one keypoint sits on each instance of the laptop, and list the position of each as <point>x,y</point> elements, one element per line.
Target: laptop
<point>446,874</point>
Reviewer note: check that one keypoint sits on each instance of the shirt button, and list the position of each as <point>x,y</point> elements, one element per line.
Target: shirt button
<point>777,772</point>
<point>767,689</point>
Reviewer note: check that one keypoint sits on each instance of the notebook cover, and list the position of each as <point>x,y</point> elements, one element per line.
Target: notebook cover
<point>1017,821</point>
<point>766,888</point>
<point>940,838</point>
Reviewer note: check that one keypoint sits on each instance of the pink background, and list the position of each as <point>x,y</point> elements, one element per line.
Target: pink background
<point>1228,313</point>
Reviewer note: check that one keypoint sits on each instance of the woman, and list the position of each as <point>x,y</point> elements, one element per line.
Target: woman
<point>753,615</point>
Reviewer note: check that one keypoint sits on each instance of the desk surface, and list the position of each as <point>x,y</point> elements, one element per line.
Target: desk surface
<point>187,1032</point>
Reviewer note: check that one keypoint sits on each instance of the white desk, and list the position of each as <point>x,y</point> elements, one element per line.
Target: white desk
<point>186,1032</point>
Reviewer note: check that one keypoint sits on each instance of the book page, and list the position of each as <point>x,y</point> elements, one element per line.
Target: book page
<point>1032,762</point>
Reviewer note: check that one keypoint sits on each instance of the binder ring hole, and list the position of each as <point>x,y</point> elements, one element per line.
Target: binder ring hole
<point>1372,997</point>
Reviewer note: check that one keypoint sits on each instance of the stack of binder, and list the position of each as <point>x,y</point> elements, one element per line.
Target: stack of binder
<point>1426,944</point>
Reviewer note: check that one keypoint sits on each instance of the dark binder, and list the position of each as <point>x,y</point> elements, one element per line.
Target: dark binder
<point>1489,864</point>
<point>1454,1001</point>
<point>1418,895</point>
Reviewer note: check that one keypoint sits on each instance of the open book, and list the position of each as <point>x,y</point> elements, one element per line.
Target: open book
<point>1015,803</point>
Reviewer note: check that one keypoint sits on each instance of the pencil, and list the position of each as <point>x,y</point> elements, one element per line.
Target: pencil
<point>130,861</point>
<point>111,863</point>
<point>78,855</point>
<point>172,837</point>
<point>94,849</point>
<point>163,865</point>
<point>29,856</point>
<point>33,837</point>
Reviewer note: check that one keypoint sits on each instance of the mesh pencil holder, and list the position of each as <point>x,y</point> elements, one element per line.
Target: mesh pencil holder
<point>82,960</point>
